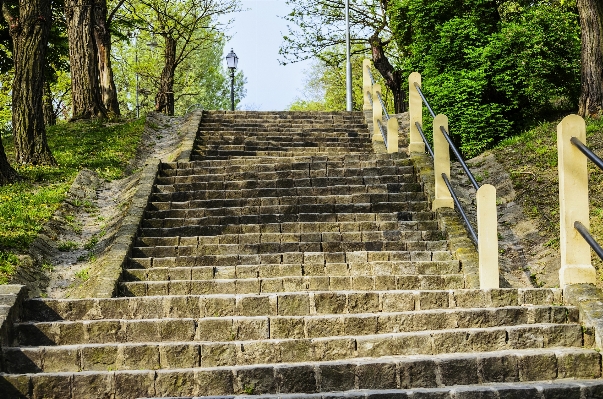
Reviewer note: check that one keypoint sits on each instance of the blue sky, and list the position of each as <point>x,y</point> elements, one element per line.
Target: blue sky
<point>256,38</point>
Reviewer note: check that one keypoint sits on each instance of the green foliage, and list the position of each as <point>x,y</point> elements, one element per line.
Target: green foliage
<point>8,262</point>
<point>490,74</point>
<point>67,246</point>
<point>27,205</point>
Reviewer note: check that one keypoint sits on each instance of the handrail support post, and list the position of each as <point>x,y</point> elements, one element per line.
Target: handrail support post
<point>367,85</point>
<point>441,164</point>
<point>487,231</point>
<point>377,114</point>
<point>415,114</point>
<point>392,135</point>
<point>576,266</point>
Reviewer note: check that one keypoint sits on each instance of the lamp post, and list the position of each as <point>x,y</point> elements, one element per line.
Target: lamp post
<point>232,60</point>
<point>348,61</point>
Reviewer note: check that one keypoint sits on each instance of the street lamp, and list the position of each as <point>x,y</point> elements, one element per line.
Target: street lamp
<point>232,60</point>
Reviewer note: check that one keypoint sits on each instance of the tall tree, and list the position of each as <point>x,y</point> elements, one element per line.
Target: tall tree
<point>591,24</point>
<point>29,24</point>
<point>102,37</point>
<point>319,30</point>
<point>7,173</point>
<point>83,57</point>
<point>186,26</point>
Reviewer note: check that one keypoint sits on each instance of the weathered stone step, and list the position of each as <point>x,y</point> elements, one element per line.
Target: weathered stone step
<point>229,140</point>
<point>313,226</point>
<point>563,388</point>
<point>289,270</point>
<point>292,284</point>
<point>280,164</point>
<point>270,245</point>
<point>278,304</point>
<point>291,200</point>
<point>171,176</point>
<point>370,234</point>
<point>382,373</point>
<point>257,184</point>
<point>214,175</point>
<point>216,190</point>
<point>284,152</point>
<point>249,345</point>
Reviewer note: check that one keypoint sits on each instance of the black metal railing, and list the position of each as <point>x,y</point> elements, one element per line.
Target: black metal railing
<point>577,225</point>
<point>385,113</point>
<point>458,156</point>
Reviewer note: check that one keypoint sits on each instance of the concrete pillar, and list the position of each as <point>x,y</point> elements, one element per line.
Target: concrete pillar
<point>367,85</point>
<point>392,135</point>
<point>441,164</point>
<point>377,113</point>
<point>415,114</point>
<point>487,233</point>
<point>576,267</point>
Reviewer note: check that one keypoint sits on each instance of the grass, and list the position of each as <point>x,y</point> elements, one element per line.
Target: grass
<point>25,206</point>
<point>531,160</point>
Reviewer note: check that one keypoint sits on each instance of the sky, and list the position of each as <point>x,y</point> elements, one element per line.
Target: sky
<point>256,38</point>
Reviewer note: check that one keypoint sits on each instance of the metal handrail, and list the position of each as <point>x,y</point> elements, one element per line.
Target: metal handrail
<point>433,115</point>
<point>383,106</point>
<point>460,210</point>
<point>418,125</point>
<point>383,133</point>
<point>587,152</point>
<point>370,97</point>
<point>589,239</point>
<point>370,74</point>
<point>458,156</point>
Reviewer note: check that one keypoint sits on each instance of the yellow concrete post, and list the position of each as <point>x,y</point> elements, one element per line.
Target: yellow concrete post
<point>487,233</point>
<point>576,267</point>
<point>392,135</point>
<point>415,113</point>
<point>377,113</point>
<point>441,164</point>
<point>367,85</point>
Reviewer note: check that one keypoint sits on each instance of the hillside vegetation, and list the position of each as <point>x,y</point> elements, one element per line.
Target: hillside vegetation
<point>25,206</point>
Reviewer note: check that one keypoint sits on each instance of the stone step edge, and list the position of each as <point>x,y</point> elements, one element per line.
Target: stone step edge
<point>588,388</point>
<point>450,370</point>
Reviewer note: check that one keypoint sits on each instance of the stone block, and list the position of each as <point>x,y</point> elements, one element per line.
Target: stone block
<point>376,376</point>
<point>175,383</point>
<point>93,385</point>
<point>337,377</point>
<point>54,386</point>
<point>254,381</point>
<point>296,379</point>
<point>179,356</point>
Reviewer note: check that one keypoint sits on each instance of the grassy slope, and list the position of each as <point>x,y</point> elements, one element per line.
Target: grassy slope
<point>531,161</point>
<point>27,205</point>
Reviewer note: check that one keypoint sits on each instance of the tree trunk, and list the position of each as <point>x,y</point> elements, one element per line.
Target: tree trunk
<point>393,78</point>
<point>164,101</point>
<point>102,37</point>
<point>7,173</point>
<point>83,59</point>
<point>29,31</point>
<point>591,25</point>
<point>50,117</point>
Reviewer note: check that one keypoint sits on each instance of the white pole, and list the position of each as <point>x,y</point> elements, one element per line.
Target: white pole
<point>348,61</point>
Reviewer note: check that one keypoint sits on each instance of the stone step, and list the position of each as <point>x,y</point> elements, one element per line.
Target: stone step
<point>404,181</point>
<point>216,190</point>
<point>416,249</point>
<point>280,164</point>
<point>210,347</point>
<point>275,152</point>
<point>292,284</point>
<point>151,273</point>
<point>290,200</point>
<point>393,372</point>
<point>298,236</point>
<point>213,175</point>
<point>286,227</point>
<point>279,304</point>
<point>169,176</point>
<point>286,137</point>
<point>562,388</point>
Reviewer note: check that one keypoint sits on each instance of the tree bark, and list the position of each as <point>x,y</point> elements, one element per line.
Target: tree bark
<point>7,173</point>
<point>591,25</point>
<point>85,90</point>
<point>50,117</point>
<point>393,78</point>
<point>102,38</point>
<point>164,101</point>
<point>29,31</point>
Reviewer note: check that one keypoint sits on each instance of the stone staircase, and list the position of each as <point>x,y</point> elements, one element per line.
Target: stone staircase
<point>288,260</point>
